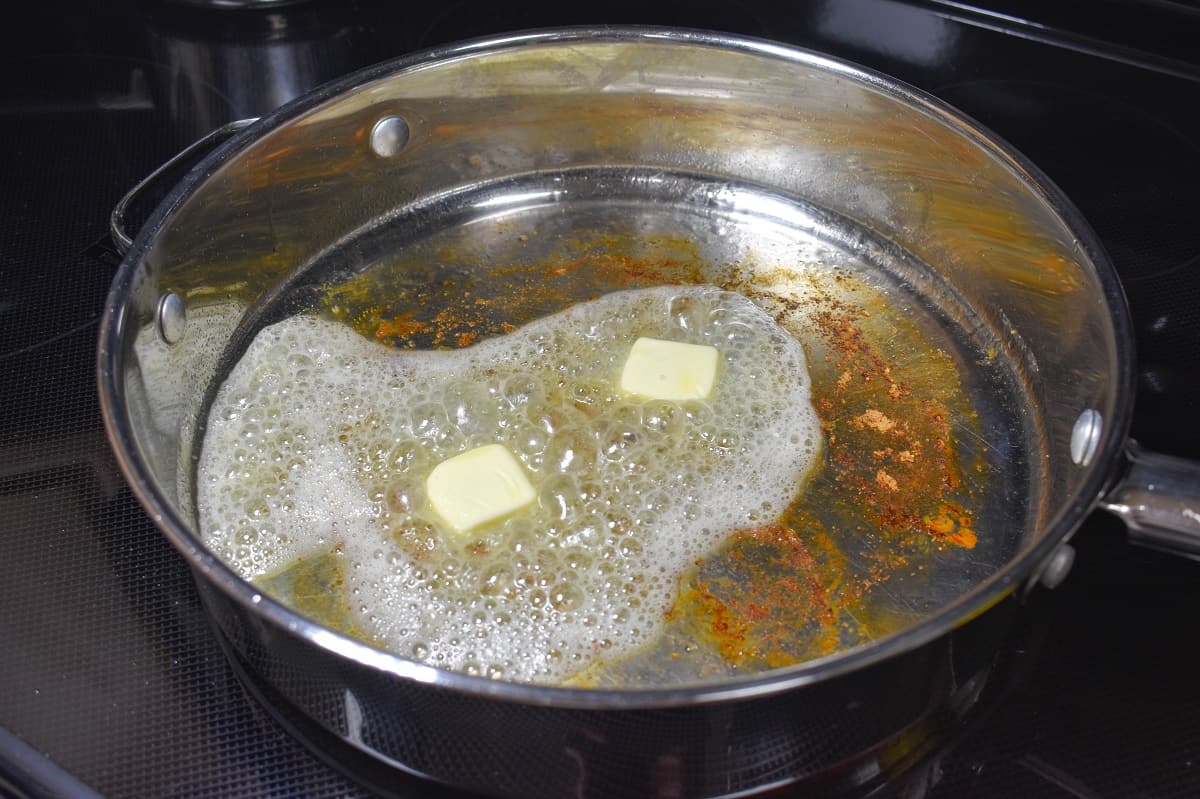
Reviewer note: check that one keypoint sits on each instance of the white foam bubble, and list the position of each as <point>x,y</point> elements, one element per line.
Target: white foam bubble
<point>322,438</point>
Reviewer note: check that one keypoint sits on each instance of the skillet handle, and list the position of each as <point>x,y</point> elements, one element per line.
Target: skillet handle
<point>170,172</point>
<point>1159,501</point>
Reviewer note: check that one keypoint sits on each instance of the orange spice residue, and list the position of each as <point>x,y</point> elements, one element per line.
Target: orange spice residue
<point>874,420</point>
<point>458,303</point>
<point>951,524</point>
<point>900,416</point>
<point>728,632</point>
<point>399,327</point>
<point>772,597</point>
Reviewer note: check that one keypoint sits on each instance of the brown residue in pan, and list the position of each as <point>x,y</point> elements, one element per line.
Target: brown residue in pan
<point>455,306</point>
<point>771,598</point>
<point>889,489</point>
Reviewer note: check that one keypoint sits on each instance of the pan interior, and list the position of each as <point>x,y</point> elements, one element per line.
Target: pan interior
<point>928,477</point>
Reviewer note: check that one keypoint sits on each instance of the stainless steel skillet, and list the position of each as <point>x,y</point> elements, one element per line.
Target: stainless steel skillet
<point>756,154</point>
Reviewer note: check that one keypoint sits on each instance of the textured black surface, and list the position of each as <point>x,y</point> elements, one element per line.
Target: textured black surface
<point>108,665</point>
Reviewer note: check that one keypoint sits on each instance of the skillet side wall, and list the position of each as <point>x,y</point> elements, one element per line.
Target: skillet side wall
<point>839,734</point>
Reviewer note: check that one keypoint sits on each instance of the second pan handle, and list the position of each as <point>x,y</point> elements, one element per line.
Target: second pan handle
<point>170,171</point>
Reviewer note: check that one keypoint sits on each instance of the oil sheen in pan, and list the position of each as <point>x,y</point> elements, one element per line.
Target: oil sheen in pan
<point>922,486</point>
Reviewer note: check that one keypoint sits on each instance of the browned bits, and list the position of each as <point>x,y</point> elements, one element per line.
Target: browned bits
<point>458,308</point>
<point>951,524</point>
<point>874,420</point>
<point>785,593</point>
<point>401,326</point>
<point>903,424</point>
<point>760,597</point>
<point>315,588</point>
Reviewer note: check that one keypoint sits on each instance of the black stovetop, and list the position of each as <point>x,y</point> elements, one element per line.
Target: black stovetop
<point>110,678</point>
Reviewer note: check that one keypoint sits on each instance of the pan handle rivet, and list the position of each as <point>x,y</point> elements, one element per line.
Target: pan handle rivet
<point>171,318</point>
<point>1058,566</point>
<point>1085,438</point>
<point>389,136</point>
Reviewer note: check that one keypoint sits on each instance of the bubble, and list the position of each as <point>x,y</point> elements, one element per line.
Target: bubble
<point>619,441</point>
<point>558,497</point>
<point>428,420</point>
<point>497,580</point>
<point>586,396</point>
<point>522,389</point>
<point>403,497</point>
<point>532,442</point>
<point>686,313</point>
<point>571,451</point>
<point>630,547</point>
<point>565,597</point>
<point>662,418</point>
<point>544,422</point>
<point>258,508</point>
<point>577,559</point>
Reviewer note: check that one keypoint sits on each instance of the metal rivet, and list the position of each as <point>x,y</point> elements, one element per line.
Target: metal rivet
<point>172,318</point>
<point>389,136</point>
<point>1058,566</point>
<point>1085,438</point>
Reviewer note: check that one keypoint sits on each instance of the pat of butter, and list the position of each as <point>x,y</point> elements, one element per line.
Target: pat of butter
<point>670,370</point>
<point>478,486</point>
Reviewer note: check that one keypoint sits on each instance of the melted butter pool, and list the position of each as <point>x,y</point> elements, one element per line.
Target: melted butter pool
<point>320,441</point>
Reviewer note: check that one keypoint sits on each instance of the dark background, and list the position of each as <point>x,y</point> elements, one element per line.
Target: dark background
<point>110,678</point>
